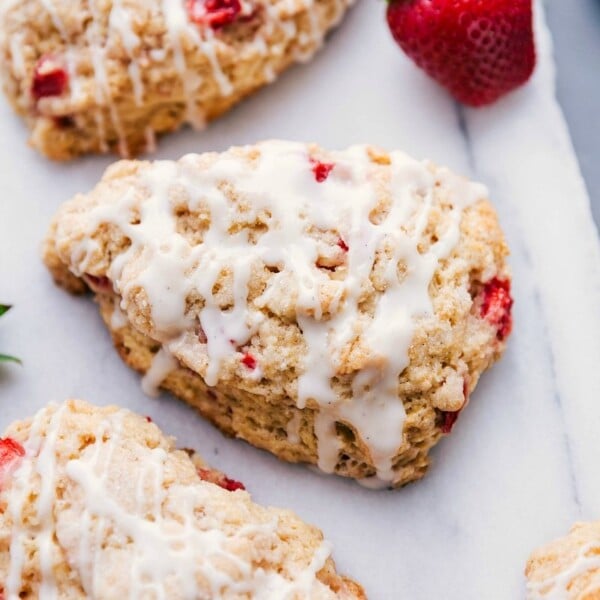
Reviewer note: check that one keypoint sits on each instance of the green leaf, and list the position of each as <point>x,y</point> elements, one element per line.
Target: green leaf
<point>4,308</point>
<point>8,358</point>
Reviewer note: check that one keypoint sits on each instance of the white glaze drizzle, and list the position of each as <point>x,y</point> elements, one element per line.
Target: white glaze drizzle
<point>119,20</point>
<point>180,32</point>
<point>102,90</point>
<point>118,318</point>
<point>176,22</point>
<point>293,427</point>
<point>39,462</point>
<point>163,363</point>
<point>556,587</point>
<point>168,268</point>
<point>166,539</point>
<point>70,52</point>
<point>150,136</point>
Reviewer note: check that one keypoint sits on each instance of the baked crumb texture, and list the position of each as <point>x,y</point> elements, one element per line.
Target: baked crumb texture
<point>334,308</point>
<point>567,568</point>
<point>97,503</point>
<point>108,75</point>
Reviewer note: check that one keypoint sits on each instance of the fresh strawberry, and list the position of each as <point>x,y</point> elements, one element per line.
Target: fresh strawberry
<point>321,170</point>
<point>249,360</point>
<point>478,49</point>
<point>49,78</point>
<point>10,454</point>
<point>449,418</point>
<point>100,285</point>
<point>231,485</point>
<point>342,244</point>
<point>214,13</point>
<point>497,305</point>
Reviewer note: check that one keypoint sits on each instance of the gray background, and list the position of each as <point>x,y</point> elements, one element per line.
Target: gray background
<point>575,25</point>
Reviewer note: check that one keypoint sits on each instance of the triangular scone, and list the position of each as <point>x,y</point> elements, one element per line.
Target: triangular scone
<point>335,308</point>
<point>92,76</point>
<point>97,503</point>
<point>567,568</point>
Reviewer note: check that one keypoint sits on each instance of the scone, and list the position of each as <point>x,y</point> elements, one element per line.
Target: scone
<point>108,75</point>
<point>97,503</point>
<point>335,308</point>
<point>567,568</point>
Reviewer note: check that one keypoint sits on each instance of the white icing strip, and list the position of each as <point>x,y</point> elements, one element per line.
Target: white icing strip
<point>150,139</point>
<point>101,83</point>
<point>557,587</point>
<point>162,364</point>
<point>120,21</point>
<point>39,462</point>
<point>16,51</point>
<point>118,318</point>
<point>282,185</point>
<point>176,22</point>
<point>70,55</point>
<point>56,21</point>
<point>46,469</point>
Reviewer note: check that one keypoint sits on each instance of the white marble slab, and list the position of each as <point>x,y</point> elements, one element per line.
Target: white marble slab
<point>521,464</point>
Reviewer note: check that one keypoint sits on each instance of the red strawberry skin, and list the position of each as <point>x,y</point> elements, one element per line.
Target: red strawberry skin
<point>214,13</point>
<point>10,454</point>
<point>497,305</point>
<point>231,485</point>
<point>478,49</point>
<point>49,78</point>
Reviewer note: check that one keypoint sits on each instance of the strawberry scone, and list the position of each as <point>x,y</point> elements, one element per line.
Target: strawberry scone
<point>335,308</point>
<point>100,76</point>
<point>97,503</point>
<point>567,568</point>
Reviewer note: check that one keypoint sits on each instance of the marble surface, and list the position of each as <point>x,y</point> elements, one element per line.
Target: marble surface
<point>521,463</point>
<point>576,30</point>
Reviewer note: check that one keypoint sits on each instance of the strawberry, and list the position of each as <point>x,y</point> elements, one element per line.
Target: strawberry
<point>478,49</point>
<point>214,13</point>
<point>342,244</point>
<point>496,306</point>
<point>449,418</point>
<point>49,78</point>
<point>10,454</point>
<point>231,485</point>
<point>249,361</point>
<point>320,169</point>
<point>100,285</point>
